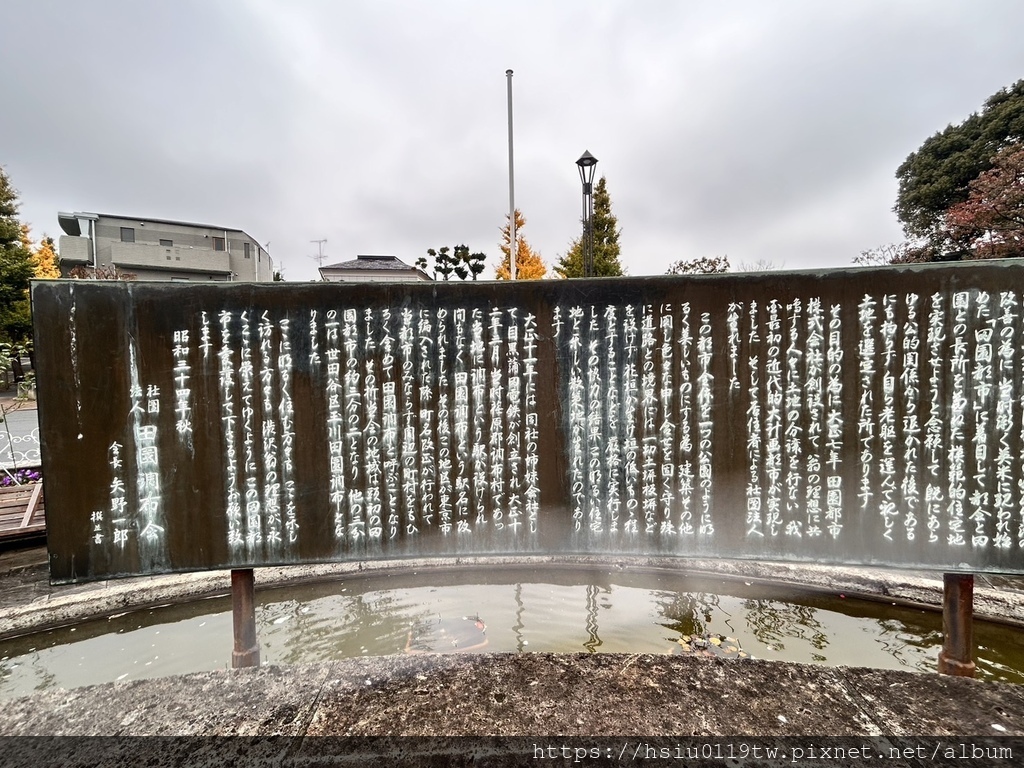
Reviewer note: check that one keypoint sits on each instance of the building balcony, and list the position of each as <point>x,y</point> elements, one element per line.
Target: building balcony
<point>149,256</point>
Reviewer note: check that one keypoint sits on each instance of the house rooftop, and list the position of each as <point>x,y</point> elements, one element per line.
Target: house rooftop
<point>372,262</point>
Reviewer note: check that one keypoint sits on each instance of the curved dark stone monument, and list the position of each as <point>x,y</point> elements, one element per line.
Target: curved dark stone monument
<point>858,416</point>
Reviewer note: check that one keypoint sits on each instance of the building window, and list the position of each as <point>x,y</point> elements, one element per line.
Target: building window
<point>218,243</point>
<point>166,243</point>
<point>127,234</point>
<point>247,246</point>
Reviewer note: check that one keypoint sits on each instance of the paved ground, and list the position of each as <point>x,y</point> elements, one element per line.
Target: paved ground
<point>416,711</point>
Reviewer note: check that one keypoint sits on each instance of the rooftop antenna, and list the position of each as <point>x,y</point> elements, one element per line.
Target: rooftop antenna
<point>320,252</point>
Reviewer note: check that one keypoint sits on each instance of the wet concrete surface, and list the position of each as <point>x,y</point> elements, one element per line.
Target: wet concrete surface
<point>508,695</point>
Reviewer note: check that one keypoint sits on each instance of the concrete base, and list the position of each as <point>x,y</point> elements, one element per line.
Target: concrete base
<point>502,695</point>
<point>530,694</point>
<point>31,604</point>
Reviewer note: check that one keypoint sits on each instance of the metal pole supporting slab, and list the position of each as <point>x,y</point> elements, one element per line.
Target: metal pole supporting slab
<point>957,654</point>
<point>243,609</point>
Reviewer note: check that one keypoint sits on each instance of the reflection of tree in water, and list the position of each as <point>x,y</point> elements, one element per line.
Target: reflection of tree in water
<point>689,613</point>
<point>517,628</point>
<point>337,626</point>
<point>45,678</point>
<point>593,640</point>
<point>896,638</point>
<point>773,622</point>
<point>40,677</point>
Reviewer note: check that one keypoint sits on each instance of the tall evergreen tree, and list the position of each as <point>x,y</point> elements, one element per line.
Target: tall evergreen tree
<point>16,267</point>
<point>529,264</point>
<point>606,241</point>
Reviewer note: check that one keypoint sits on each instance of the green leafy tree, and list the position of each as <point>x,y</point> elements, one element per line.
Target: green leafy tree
<point>477,263</point>
<point>529,264</point>
<point>440,263</point>
<point>445,262</point>
<point>606,241</point>
<point>473,264</point>
<point>16,267</point>
<point>705,265</point>
<point>938,175</point>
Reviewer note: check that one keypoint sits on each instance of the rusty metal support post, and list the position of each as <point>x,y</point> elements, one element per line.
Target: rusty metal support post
<point>243,609</point>
<point>957,654</point>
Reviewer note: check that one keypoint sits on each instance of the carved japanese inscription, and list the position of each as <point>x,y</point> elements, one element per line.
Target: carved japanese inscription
<point>860,416</point>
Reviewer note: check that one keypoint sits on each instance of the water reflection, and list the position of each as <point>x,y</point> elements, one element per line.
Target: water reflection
<point>296,630</point>
<point>519,609</point>
<point>517,628</point>
<point>593,640</point>
<point>467,634</point>
<point>773,623</point>
<point>690,613</point>
<point>899,640</point>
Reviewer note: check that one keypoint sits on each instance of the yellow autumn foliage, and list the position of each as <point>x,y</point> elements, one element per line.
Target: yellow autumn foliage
<point>529,265</point>
<point>44,260</point>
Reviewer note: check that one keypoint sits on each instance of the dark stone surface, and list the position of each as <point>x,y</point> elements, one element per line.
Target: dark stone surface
<point>638,418</point>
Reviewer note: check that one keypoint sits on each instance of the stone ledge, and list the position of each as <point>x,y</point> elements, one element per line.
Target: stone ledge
<point>530,694</point>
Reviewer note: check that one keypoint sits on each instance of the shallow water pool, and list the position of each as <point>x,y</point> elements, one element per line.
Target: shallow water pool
<point>507,609</point>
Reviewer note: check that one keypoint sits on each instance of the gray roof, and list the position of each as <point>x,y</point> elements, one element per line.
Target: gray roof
<point>373,262</point>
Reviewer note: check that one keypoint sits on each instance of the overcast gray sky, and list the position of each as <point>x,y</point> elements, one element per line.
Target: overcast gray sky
<point>762,130</point>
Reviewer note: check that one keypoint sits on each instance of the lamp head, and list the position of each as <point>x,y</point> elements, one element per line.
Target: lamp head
<point>587,164</point>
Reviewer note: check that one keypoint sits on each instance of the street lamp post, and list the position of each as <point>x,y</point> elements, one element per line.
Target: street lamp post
<point>588,165</point>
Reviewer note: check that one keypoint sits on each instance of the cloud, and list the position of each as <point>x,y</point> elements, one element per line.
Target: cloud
<point>765,131</point>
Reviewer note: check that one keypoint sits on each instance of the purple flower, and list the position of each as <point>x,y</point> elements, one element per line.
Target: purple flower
<point>20,477</point>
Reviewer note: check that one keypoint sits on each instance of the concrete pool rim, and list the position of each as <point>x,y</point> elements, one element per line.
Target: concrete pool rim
<point>56,607</point>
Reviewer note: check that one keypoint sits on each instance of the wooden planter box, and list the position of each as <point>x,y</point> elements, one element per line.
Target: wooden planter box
<point>21,511</point>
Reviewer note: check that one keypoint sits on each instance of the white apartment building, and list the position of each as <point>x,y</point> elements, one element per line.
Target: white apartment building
<point>160,249</point>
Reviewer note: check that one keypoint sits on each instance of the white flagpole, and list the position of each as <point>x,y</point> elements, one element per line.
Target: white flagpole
<point>511,187</point>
